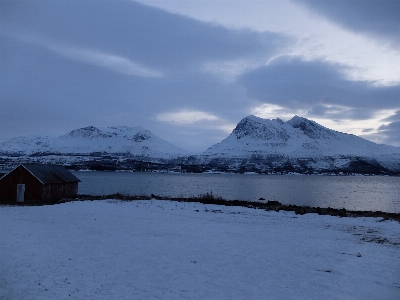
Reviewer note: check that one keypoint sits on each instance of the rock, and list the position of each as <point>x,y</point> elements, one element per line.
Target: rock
<point>273,203</point>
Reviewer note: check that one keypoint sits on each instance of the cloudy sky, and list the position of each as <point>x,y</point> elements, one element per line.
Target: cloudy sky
<point>190,70</point>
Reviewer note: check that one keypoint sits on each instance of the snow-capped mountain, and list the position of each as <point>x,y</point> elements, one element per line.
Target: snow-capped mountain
<point>299,142</point>
<point>255,145</point>
<point>298,137</point>
<point>135,141</point>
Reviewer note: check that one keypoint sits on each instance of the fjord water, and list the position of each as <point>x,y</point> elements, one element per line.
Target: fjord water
<point>351,192</point>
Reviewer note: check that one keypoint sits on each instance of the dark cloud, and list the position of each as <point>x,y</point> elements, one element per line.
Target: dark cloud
<point>385,134</point>
<point>55,76</point>
<point>340,113</point>
<point>395,117</point>
<point>380,17</point>
<point>40,78</point>
<point>145,34</point>
<point>51,80</point>
<point>368,130</point>
<point>390,133</point>
<point>291,82</point>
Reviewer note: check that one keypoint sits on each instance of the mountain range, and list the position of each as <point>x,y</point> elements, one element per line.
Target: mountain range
<point>255,145</point>
<point>300,145</point>
<point>135,141</point>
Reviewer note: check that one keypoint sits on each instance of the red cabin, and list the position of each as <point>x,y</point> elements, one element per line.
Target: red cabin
<point>33,182</point>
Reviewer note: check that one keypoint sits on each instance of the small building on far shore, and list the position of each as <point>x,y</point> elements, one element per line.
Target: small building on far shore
<point>38,183</point>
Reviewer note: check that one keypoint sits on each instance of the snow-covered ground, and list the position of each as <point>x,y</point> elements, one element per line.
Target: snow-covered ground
<point>170,250</point>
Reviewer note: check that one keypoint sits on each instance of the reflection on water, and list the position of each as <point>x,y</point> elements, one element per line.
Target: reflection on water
<point>350,192</point>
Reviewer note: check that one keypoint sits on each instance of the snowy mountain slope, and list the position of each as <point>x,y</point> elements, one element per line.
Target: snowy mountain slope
<point>298,137</point>
<point>299,140</point>
<point>255,145</point>
<point>127,140</point>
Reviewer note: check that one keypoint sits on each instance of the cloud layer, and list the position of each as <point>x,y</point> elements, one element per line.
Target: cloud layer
<point>295,82</point>
<point>379,18</point>
<point>189,71</point>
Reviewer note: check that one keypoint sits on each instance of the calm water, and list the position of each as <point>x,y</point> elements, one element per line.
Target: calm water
<point>350,192</point>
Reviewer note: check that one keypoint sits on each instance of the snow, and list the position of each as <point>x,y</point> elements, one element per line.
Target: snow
<point>152,249</point>
<point>299,138</point>
<point>119,139</point>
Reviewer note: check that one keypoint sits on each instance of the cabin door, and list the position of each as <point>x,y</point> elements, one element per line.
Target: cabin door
<point>20,192</point>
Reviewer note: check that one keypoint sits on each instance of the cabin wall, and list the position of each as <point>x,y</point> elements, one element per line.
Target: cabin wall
<point>57,191</point>
<point>8,185</point>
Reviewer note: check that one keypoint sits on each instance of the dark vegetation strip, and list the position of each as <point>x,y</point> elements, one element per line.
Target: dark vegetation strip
<point>209,198</point>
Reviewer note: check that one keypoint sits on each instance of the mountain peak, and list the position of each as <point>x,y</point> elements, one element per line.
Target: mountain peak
<point>297,120</point>
<point>252,118</point>
<point>261,120</point>
<point>85,132</point>
<point>311,128</point>
<point>253,127</point>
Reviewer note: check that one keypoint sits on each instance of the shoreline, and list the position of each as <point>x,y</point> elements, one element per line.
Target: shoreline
<point>207,198</point>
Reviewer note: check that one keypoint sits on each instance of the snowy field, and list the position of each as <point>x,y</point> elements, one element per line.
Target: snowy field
<point>171,250</point>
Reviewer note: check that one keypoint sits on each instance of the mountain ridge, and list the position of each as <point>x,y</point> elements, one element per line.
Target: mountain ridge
<point>116,139</point>
<point>297,134</point>
<point>255,145</point>
<point>302,145</point>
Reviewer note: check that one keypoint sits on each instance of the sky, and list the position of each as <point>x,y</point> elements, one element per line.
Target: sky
<point>190,70</point>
